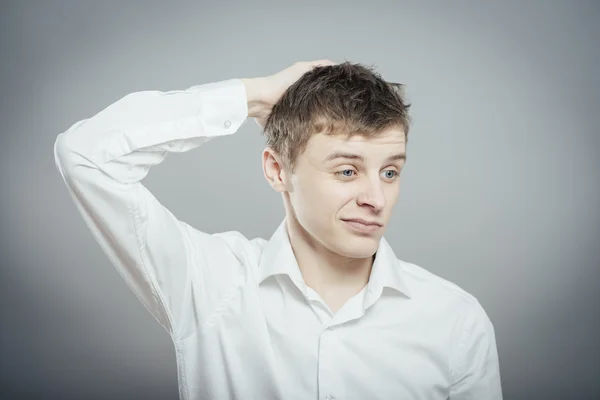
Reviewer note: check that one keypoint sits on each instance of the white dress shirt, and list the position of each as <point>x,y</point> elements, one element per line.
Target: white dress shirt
<point>243,322</point>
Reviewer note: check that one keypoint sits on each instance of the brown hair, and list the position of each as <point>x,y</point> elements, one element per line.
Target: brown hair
<point>345,98</point>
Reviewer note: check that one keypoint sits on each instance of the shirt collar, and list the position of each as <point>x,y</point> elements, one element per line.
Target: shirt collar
<point>278,258</point>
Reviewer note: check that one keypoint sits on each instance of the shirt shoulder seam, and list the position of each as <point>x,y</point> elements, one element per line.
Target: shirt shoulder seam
<point>422,273</point>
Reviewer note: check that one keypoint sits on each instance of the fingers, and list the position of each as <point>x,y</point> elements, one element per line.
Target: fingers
<point>323,62</point>
<point>315,63</point>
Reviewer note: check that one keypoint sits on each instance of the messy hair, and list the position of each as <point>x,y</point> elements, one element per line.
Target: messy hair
<point>347,98</point>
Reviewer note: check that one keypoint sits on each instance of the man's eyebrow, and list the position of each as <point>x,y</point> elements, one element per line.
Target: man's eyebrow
<point>331,157</point>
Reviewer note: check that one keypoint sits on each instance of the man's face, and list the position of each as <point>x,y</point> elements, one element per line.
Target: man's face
<point>339,179</point>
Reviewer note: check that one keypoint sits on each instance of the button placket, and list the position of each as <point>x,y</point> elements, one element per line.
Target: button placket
<point>327,370</point>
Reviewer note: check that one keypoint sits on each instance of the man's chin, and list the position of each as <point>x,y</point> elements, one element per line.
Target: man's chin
<point>360,247</point>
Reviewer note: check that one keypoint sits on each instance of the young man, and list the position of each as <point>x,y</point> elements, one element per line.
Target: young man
<point>324,309</point>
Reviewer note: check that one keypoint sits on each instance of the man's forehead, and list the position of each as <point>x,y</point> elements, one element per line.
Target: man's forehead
<point>323,146</point>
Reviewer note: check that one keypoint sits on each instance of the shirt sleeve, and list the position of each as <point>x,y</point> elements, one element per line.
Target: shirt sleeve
<point>177,272</point>
<point>475,366</point>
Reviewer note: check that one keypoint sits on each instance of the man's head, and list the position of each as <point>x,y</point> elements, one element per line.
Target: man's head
<point>336,143</point>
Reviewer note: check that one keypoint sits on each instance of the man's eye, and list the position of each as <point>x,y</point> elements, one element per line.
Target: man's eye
<point>392,175</point>
<point>346,173</point>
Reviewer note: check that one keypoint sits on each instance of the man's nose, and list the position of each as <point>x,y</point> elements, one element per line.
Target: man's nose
<point>372,195</point>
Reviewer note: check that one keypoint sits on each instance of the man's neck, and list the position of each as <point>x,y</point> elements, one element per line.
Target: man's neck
<point>334,277</point>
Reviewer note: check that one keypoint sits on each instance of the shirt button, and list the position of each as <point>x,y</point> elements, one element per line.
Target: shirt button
<point>227,124</point>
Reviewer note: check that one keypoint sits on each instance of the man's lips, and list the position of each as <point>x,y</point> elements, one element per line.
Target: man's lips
<point>363,221</point>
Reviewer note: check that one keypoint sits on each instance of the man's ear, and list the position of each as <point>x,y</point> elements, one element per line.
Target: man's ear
<point>276,172</point>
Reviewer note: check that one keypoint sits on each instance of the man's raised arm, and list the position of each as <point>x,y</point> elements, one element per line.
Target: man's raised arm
<point>179,273</point>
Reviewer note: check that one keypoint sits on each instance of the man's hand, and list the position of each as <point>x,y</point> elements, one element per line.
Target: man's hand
<point>262,93</point>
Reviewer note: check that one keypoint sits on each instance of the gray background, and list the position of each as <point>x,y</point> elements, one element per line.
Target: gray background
<point>500,193</point>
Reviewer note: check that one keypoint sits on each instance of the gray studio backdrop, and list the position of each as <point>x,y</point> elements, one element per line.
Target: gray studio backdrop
<point>500,193</point>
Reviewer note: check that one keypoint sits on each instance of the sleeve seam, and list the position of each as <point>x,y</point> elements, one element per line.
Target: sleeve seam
<point>155,290</point>
<point>454,364</point>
